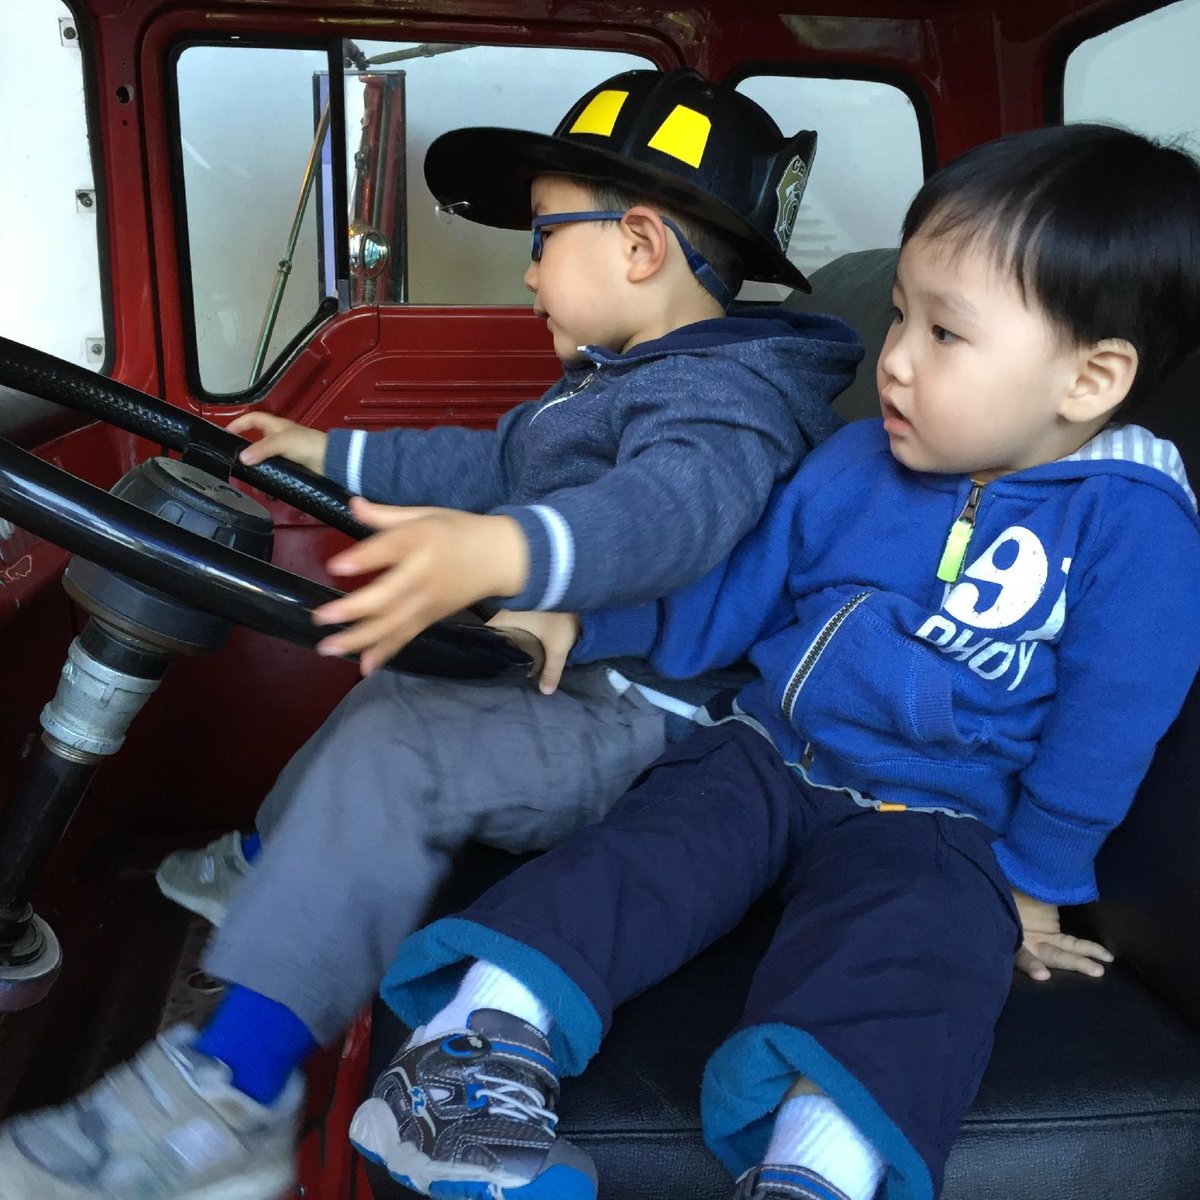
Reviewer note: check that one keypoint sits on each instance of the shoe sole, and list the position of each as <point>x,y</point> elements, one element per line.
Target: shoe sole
<point>271,1183</point>
<point>374,1134</point>
<point>274,1184</point>
<point>213,911</point>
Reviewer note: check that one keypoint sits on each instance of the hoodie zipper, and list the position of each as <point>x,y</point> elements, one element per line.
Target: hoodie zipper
<point>954,552</point>
<point>814,652</point>
<point>568,396</point>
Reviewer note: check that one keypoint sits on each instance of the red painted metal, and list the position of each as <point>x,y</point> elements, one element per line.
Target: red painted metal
<point>328,1163</point>
<point>30,567</point>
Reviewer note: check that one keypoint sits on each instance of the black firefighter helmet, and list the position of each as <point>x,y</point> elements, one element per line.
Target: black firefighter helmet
<point>700,148</point>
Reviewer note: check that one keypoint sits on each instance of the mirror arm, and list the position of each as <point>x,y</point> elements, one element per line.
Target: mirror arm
<point>289,249</point>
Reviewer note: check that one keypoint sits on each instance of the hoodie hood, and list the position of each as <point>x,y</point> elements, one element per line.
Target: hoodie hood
<point>1130,452</point>
<point>1134,444</point>
<point>760,323</point>
<point>777,343</point>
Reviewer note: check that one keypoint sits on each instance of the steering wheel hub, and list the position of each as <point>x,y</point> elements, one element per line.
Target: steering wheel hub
<point>191,499</point>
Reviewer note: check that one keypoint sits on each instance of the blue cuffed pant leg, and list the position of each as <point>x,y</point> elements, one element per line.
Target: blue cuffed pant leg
<point>427,970</point>
<point>882,985</point>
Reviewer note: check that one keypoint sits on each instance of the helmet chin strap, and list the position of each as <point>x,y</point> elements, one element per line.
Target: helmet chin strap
<point>708,279</point>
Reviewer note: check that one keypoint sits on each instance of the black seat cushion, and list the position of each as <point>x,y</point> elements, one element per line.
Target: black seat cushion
<point>858,288</point>
<point>1093,1091</point>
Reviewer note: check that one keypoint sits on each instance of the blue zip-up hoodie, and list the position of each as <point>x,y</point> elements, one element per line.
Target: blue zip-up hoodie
<point>1029,694</point>
<point>636,472</point>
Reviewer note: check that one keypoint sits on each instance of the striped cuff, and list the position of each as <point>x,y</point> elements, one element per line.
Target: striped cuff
<point>345,450</point>
<point>551,555</point>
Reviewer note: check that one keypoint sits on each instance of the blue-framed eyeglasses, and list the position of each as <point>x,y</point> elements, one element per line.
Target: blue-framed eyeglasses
<point>705,275</point>
<point>575,218</point>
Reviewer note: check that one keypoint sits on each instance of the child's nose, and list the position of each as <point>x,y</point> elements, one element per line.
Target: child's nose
<point>531,277</point>
<point>894,359</point>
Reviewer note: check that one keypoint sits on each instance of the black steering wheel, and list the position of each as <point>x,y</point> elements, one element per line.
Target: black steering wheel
<point>117,535</point>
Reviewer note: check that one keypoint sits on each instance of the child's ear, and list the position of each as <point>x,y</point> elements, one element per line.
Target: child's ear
<point>1106,371</point>
<point>643,242</point>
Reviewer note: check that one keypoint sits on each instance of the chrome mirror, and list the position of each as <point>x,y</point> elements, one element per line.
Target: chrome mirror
<point>369,251</point>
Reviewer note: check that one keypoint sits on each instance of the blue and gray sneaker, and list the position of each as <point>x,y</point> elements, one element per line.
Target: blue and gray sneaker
<point>471,1115</point>
<point>169,1125</point>
<point>770,1182</point>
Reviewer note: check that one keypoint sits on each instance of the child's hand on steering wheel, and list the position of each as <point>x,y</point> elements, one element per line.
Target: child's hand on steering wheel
<point>432,562</point>
<point>280,437</point>
<point>557,632</point>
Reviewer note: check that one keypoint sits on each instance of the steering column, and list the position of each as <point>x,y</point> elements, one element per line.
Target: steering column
<point>112,669</point>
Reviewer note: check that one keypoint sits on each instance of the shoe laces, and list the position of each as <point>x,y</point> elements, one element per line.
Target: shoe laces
<point>508,1098</point>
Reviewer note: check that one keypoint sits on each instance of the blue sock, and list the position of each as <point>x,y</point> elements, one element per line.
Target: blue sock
<point>260,1040</point>
<point>251,845</point>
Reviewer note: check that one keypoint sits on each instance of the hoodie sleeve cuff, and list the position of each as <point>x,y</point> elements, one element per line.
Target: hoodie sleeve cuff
<point>345,450</point>
<point>616,633</point>
<point>551,555</point>
<point>1051,859</point>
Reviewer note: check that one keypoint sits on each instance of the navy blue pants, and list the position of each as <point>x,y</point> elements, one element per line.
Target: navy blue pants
<point>882,985</point>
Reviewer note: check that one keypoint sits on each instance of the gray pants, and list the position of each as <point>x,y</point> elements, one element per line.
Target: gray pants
<point>360,825</point>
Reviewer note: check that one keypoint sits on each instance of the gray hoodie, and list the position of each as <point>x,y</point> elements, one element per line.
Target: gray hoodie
<point>634,473</point>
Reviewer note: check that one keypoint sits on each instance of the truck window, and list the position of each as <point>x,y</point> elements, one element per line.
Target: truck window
<point>1141,75</point>
<point>248,118</point>
<point>867,168</point>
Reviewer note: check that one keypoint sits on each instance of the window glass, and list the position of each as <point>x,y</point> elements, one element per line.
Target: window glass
<point>247,121</point>
<point>449,260</point>
<point>249,117</point>
<point>1141,75</point>
<point>51,297</point>
<point>867,168</point>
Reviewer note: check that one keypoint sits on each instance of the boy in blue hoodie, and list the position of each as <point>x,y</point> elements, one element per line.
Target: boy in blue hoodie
<point>629,478</point>
<point>972,622</point>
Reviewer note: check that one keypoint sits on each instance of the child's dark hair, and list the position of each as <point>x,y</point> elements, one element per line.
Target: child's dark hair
<point>705,239</point>
<point>1100,228</point>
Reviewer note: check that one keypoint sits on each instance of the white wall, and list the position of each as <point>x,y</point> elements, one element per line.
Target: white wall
<point>50,296</point>
<point>1143,75</point>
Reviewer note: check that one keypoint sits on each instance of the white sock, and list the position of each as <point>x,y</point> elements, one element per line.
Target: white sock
<point>813,1133</point>
<point>486,986</point>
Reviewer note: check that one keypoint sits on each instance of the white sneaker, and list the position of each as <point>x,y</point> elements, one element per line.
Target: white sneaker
<point>204,881</point>
<point>167,1125</point>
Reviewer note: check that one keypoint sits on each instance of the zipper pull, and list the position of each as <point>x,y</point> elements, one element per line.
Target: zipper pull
<point>959,537</point>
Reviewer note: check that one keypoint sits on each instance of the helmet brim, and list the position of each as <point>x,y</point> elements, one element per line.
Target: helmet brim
<point>484,173</point>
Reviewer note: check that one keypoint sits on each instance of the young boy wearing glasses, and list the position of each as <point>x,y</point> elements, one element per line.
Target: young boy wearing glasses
<point>632,476</point>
